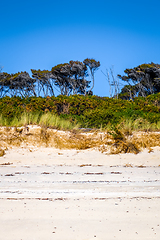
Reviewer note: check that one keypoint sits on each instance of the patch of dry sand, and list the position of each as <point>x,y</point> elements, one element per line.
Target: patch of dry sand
<point>46,193</point>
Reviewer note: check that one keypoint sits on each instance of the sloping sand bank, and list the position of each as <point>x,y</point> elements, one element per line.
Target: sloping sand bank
<point>46,193</point>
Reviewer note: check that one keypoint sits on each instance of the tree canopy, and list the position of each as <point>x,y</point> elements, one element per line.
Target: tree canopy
<point>71,77</point>
<point>142,80</point>
<point>93,65</point>
<point>17,84</point>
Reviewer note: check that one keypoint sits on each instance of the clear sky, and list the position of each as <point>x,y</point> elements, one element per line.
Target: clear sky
<point>41,34</point>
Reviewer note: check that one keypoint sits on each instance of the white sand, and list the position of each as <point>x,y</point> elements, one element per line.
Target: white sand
<point>47,193</point>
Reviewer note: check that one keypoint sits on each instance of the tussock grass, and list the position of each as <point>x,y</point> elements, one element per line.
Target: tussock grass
<point>51,120</point>
<point>128,126</point>
<point>45,120</point>
<point>135,142</point>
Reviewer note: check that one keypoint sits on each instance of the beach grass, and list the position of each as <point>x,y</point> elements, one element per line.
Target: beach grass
<point>128,126</point>
<point>41,119</point>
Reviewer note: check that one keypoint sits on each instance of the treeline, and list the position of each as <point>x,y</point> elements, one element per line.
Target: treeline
<point>70,78</point>
<point>77,77</point>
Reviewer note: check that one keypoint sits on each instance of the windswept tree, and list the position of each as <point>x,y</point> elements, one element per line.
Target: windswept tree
<point>22,84</point>
<point>18,84</point>
<point>78,76</point>
<point>113,82</point>
<point>61,75</point>
<point>4,83</point>
<point>44,82</point>
<point>3,88</point>
<point>70,78</point>
<point>141,81</point>
<point>93,65</point>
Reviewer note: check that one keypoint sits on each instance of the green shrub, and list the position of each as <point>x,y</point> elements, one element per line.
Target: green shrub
<point>87,111</point>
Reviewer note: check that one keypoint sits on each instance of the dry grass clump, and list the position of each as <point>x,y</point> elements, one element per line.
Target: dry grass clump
<point>147,139</point>
<point>128,126</point>
<point>124,147</point>
<point>120,143</point>
<point>133,136</point>
<point>134,143</point>
<point>2,152</point>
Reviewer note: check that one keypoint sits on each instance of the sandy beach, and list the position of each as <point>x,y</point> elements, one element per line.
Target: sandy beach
<point>47,193</point>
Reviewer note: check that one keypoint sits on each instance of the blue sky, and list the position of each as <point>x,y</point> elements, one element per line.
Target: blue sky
<point>41,34</point>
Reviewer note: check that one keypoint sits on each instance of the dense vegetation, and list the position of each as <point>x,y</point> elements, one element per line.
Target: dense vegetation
<point>22,95</point>
<point>88,111</point>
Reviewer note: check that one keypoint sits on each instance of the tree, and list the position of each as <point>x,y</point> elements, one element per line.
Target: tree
<point>4,83</point>
<point>113,82</point>
<point>70,77</point>
<point>93,65</point>
<point>78,72</point>
<point>61,74</point>
<point>141,81</point>
<point>20,84</point>
<point>44,82</point>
